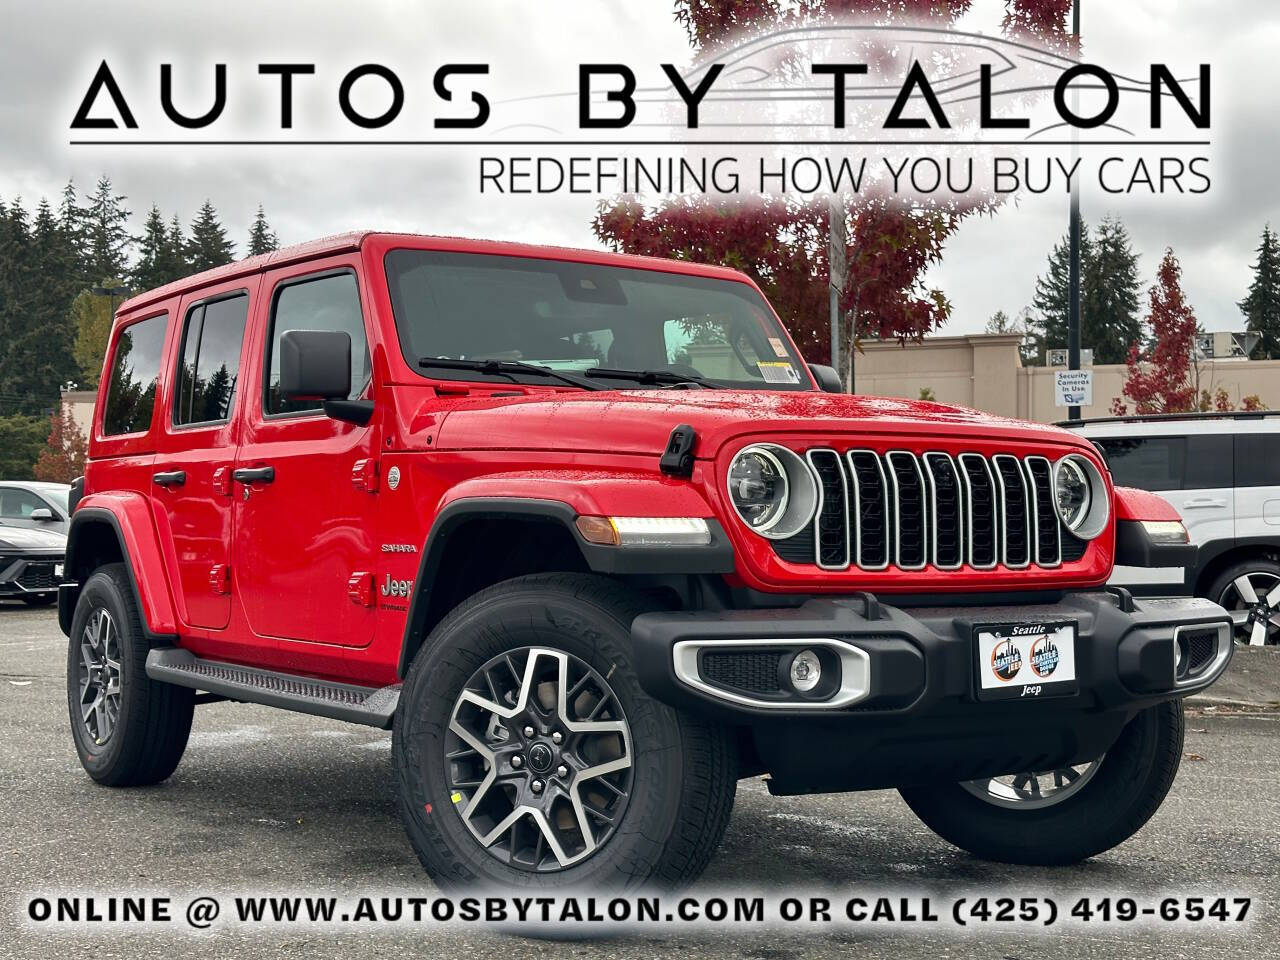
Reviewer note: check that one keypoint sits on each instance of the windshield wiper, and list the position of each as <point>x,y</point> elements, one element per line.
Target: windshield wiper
<point>652,377</point>
<point>507,368</point>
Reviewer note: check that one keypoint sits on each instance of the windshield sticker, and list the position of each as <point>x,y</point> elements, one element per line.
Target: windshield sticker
<point>779,348</point>
<point>778,372</point>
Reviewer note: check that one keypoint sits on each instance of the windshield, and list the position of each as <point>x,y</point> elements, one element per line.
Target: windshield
<point>579,317</point>
<point>58,498</point>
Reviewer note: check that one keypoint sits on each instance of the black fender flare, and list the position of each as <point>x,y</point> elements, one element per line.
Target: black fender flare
<point>716,557</point>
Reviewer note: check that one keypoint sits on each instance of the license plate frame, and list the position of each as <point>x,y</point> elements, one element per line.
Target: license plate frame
<point>1026,660</point>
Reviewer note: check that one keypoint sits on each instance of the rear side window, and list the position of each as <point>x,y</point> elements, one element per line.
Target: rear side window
<point>324,303</point>
<point>132,377</point>
<point>1258,459</point>
<point>1170,463</point>
<point>210,366</point>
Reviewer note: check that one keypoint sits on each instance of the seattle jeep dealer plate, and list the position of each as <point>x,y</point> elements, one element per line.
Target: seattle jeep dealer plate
<point>1026,660</point>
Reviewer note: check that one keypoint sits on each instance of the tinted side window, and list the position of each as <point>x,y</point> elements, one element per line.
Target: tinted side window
<point>133,374</point>
<point>1170,463</point>
<point>325,303</point>
<point>1258,459</point>
<point>210,360</point>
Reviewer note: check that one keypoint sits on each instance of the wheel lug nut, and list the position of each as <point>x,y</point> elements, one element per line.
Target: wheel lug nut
<point>536,786</point>
<point>528,731</point>
<point>517,761</point>
<point>562,771</point>
<point>557,737</point>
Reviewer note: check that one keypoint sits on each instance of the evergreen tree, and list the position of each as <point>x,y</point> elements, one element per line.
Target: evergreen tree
<point>21,439</point>
<point>71,220</point>
<point>1109,319</point>
<point>1261,306</point>
<point>106,241</point>
<point>209,246</point>
<point>262,238</point>
<point>152,268</point>
<point>176,262</point>
<point>1052,299</point>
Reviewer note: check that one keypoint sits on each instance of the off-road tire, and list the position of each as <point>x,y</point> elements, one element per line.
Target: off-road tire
<point>685,770</point>
<point>151,731</point>
<point>1129,786</point>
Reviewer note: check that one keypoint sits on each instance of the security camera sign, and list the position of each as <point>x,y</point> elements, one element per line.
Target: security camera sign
<point>1073,388</point>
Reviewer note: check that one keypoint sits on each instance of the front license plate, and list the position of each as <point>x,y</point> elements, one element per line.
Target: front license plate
<point>1030,661</point>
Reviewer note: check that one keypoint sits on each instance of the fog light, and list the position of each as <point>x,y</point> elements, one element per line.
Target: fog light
<point>806,671</point>
<point>1180,664</point>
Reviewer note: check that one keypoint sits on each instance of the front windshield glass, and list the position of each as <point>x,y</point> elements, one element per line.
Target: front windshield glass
<point>577,317</point>
<point>58,498</point>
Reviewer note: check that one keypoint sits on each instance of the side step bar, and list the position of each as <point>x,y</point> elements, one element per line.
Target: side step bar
<point>371,706</point>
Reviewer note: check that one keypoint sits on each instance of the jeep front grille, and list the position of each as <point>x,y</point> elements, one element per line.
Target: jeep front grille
<point>934,509</point>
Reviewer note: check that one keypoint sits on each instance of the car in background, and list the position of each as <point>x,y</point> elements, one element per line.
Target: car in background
<point>34,505</point>
<point>1221,472</point>
<point>31,565</point>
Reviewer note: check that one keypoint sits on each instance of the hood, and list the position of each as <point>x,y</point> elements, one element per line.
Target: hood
<point>640,421</point>
<point>23,539</point>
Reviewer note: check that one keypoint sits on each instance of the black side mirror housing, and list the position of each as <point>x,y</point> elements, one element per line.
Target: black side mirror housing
<point>827,378</point>
<point>316,365</point>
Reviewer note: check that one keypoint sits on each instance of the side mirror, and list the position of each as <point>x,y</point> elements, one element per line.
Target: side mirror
<point>316,365</point>
<point>40,513</point>
<point>827,378</point>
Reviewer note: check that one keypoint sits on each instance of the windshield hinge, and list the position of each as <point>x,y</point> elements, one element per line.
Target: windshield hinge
<point>677,459</point>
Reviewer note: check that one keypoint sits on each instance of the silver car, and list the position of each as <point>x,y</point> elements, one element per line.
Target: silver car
<point>34,505</point>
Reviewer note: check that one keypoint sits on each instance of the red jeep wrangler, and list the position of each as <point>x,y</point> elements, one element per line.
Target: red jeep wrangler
<point>588,535</point>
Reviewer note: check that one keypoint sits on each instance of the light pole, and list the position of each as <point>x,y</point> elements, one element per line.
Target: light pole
<point>1073,280</point>
<point>112,292</point>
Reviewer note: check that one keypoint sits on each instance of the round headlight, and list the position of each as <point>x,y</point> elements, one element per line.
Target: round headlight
<point>1072,493</point>
<point>1080,496</point>
<point>758,485</point>
<point>773,490</point>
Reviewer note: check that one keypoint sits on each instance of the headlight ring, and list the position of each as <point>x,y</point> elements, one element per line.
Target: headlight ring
<point>772,490</point>
<point>1080,496</point>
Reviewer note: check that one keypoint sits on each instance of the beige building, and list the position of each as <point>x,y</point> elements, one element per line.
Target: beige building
<point>985,371</point>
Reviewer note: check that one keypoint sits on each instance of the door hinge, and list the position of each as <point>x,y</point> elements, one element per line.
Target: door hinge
<point>364,475</point>
<point>220,579</point>
<point>222,481</point>
<point>360,589</point>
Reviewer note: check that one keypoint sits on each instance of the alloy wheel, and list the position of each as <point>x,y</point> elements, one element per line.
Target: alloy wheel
<point>538,759</point>
<point>1032,791</point>
<point>99,676</point>
<point>1254,601</point>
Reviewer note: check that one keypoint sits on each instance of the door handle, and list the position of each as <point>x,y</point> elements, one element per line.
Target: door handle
<point>248,475</point>
<point>1202,502</point>
<point>174,478</point>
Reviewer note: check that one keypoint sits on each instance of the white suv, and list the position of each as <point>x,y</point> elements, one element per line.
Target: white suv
<point>1221,472</point>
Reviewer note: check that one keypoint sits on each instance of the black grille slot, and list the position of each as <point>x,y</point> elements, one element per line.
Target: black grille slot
<point>948,509</point>
<point>1073,547</point>
<point>1017,515</point>
<point>832,522</point>
<point>38,576</point>
<point>1047,533</point>
<point>871,492</point>
<point>982,510</point>
<point>751,671</point>
<point>912,525</point>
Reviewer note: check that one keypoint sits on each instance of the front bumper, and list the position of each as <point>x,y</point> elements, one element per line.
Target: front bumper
<point>32,575</point>
<point>905,707</point>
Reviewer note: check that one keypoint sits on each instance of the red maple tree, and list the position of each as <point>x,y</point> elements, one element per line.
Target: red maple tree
<point>1159,380</point>
<point>63,456</point>
<point>781,243</point>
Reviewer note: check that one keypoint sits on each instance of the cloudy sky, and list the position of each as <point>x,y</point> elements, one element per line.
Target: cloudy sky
<point>51,50</point>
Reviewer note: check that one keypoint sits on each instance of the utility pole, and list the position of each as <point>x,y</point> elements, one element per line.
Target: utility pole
<point>1073,282</point>
<point>837,269</point>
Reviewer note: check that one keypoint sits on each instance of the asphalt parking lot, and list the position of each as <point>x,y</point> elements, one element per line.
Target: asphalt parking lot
<point>266,800</point>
